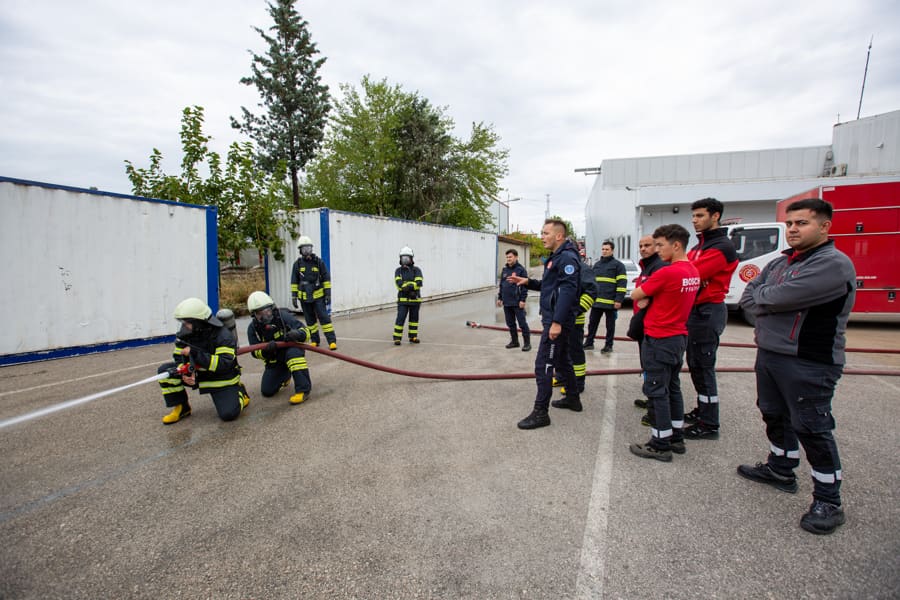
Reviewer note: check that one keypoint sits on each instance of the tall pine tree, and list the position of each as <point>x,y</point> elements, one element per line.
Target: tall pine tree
<point>294,100</point>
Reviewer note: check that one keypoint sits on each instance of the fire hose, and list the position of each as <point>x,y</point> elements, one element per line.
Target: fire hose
<point>476,325</point>
<point>419,374</point>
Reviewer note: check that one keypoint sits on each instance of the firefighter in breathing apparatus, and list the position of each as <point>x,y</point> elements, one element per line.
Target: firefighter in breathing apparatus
<point>311,283</point>
<point>204,357</point>
<point>408,279</point>
<point>272,324</point>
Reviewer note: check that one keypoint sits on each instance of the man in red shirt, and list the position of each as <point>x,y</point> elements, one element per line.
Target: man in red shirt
<point>715,259</point>
<point>669,296</point>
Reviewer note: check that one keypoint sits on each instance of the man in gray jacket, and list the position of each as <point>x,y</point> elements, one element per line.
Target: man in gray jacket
<point>802,301</point>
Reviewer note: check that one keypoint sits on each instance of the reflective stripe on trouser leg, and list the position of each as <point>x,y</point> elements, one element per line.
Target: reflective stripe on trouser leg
<point>413,321</point>
<point>662,360</point>
<point>172,388</point>
<point>402,311</point>
<point>705,325</point>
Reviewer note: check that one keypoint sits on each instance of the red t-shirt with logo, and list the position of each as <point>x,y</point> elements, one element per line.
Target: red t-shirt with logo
<point>673,290</point>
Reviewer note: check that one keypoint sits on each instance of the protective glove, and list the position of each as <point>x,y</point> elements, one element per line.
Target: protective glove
<point>294,301</point>
<point>271,351</point>
<point>295,335</point>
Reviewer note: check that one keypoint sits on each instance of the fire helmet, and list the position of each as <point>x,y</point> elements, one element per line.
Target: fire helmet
<point>305,245</point>
<point>258,300</point>
<point>407,251</point>
<point>197,310</point>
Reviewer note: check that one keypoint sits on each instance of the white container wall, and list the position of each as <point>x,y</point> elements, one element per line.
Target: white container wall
<point>89,271</point>
<point>362,252</point>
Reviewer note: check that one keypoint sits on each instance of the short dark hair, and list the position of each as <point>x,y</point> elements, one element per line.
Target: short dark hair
<point>513,251</point>
<point>821,208</point>
<point>558,223</point>
<point>711,205</point>
<point>673,233</point>
<point>608,243</point>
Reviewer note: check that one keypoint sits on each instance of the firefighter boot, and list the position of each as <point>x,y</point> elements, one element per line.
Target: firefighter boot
<point>513,342</point>
<point>526,346</point>
<point>299,397</point>
<point>179,411</point>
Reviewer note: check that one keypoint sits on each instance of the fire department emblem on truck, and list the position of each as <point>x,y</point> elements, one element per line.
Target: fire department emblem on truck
<point>748,273</point>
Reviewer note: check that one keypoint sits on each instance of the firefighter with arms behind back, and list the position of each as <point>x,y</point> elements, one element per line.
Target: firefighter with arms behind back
<point>311,283</point>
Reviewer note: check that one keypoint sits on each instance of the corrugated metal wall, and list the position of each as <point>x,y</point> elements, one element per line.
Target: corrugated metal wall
<point>84,268</point>
<point>361,252</point>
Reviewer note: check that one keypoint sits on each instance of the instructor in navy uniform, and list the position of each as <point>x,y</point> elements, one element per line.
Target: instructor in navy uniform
<point>559,289</point>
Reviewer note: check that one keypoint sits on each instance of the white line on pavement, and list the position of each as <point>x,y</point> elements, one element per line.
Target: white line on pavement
<point>592,568</point>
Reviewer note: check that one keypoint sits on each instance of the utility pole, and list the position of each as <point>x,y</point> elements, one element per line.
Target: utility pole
<point>866,72</point>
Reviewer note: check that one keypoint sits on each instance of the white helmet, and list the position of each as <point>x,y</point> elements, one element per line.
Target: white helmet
<point>407,251</point>
<point>196,309</point>
<point>305,240</point>
<point>258,300</point>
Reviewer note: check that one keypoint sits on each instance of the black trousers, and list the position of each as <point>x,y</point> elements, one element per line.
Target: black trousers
<point>404,309</point>
<point>705,324</point>
<point>553,358</point>
<point>661,359</point>
<point>794,396</point>
<point>291,364</point>
<point>316,312</point>
<point>513,314</point>
<point>611,315</point>
<point>226,399</point>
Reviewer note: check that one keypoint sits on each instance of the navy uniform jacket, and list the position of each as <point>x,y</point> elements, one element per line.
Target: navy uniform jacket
<point>310,279</point>
<point>275,331</point>
<point>559,286</point>
<point>511,294</point>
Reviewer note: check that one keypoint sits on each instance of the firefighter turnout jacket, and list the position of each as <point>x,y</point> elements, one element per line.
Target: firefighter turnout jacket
<point>310,280</point>
<point>213,355</point>
<point>612,283</point>
<point>283,321</point>
<point>408,280</point>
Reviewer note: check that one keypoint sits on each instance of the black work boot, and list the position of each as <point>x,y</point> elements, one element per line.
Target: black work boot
<point>526,345</point>
<point>537,418</point>
<point>822,518</point>
<point>513,343</point>
<point>763,473</point>
<point>573,403</point>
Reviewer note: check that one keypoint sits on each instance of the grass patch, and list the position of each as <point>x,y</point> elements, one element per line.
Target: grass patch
<point>236,285</point>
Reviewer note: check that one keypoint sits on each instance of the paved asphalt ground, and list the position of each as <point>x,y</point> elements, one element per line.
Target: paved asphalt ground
<point>382,486</point>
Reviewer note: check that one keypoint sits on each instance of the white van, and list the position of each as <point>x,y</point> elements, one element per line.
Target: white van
<point>756,244</point>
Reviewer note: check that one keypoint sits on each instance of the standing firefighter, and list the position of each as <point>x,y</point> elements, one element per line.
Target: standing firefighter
<point>312,284</point>
<point>408,279</point>
<point>272,324</point>
<point>205,357</point>
<point>576,350</point>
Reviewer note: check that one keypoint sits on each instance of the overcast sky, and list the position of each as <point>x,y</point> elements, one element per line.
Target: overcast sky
<point>566,83</point>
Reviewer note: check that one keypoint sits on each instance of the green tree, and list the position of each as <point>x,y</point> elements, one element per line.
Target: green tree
<point>250,203</point>
<point>294,101</point>
<point>391,153</point>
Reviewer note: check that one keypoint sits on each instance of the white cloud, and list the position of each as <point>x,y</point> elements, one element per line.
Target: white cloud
<point>566,84</point>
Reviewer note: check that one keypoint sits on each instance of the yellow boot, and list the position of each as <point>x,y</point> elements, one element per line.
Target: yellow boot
<point>179,412</point>
<point>243,397</point>
<point>298,398</point>
<point>332,346</point>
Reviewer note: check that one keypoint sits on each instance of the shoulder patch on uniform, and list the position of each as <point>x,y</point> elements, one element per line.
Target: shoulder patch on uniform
<point>569,269</point>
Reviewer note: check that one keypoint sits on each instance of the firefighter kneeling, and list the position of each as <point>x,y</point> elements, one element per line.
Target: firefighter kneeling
<point>272,324</point>
<point>205,357</point>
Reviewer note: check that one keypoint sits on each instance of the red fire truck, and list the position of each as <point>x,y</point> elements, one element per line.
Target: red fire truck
<point>865,227</point>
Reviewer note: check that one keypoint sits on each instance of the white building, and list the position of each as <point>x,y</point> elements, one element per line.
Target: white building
<point>633,196</point>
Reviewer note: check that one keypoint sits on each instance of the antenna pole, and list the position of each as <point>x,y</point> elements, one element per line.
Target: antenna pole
<point>866,72</point>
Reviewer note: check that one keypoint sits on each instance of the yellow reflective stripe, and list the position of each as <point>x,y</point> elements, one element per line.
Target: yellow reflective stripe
<point>606,280</point>
<point>328,327</point>
<point>220,384</point>
<point>605,301</point>
<point>327,285</point>
<point>313,328</point>
<point>580,319</point>
<point>173,389</point>
<point>586,301</point>
<point>622,276</point>
<point>294,288</point>
<point>621,289</point>
<point>319,293</point>
<point>213,363</point>
<point>296,364</point>
<point>580,370</point>
<point>225,350</point>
